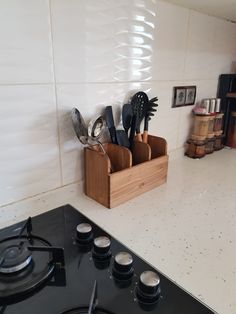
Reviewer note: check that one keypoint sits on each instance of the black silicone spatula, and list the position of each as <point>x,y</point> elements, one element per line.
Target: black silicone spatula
<point>122,138</point>
<point>127,115</point>
<point>110,123</point>
<point>149,114</point>
<point>139,103</point>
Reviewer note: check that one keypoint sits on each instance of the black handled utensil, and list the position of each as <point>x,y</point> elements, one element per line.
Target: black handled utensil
<point>149,114</point>
<point>122,138</point>
<point>127,115</point>
<point>139,103</point>
<point>132,130</point>
<point>110,123</point>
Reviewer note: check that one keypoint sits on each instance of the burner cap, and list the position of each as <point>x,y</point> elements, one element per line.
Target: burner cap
<point>15,258</point>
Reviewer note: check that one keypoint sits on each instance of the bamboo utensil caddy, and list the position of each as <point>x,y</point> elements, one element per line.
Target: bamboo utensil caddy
<point>132,173</point>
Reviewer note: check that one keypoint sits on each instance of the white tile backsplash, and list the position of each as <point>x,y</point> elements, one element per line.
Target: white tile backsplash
<point>25,46</point>
<point>170,42</point>
<point>201,31</point>
<point>57,54</point>
<point>103,41</point>
<point>29,159</point>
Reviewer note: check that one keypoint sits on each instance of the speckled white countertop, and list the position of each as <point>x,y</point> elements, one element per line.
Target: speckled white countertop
<point>186,228</point>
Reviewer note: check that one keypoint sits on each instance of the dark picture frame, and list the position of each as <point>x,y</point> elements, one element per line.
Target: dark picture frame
<point>184,96</point>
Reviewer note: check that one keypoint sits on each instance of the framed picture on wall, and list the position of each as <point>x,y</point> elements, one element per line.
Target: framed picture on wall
<point>179,96</point>
<point>184,96</point>
<point>190,95</point>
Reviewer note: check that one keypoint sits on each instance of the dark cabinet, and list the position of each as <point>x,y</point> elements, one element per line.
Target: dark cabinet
<point>227,85</point>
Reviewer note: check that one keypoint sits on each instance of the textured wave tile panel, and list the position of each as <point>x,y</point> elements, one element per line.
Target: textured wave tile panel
<point>103,41</point>
<point>199,59</point>
<point>25,46</point>
<point>91,100</point>
<point>170,41</point>
<point>29,159</point>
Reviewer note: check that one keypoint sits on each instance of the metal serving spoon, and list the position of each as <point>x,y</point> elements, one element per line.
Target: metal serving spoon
<point>95,128</point>
<point>79,126</point>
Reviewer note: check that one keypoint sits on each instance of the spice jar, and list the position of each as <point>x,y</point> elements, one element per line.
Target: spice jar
<point>201,126</point>
<point>210,142</point>
<point>218,142</point>
<point>195,149</point>
<point>218,122</point>
<point>211,124</point>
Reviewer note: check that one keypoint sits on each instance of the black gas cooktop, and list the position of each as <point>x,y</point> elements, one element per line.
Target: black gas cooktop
<point>60,262</point>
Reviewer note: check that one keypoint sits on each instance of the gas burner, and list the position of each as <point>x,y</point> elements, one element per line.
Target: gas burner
<point>84,310</point>
<point>92,308</point>
<point>14,258</point>
<point>26,262</point>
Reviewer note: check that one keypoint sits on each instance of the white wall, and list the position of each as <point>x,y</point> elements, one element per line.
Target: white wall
<point>63,53</point>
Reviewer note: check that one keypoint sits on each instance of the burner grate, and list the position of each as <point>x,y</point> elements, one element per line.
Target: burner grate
<point>26,262</point>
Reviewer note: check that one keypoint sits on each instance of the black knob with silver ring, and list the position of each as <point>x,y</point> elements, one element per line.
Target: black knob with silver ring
<point>101,248</point>
<point>84,233</point>
<point>148,289</point>
<point>123,266</point>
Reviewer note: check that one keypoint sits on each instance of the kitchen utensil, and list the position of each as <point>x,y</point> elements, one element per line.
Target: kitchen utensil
<point>149,113</point>
<point>139,103</point>
<point>79,126</point>
<point>122,138</point>
<point>121,135</point>
<point>94,131</point>
<point>132,130</point>
<point>110,123</point>
<point>127,115</point>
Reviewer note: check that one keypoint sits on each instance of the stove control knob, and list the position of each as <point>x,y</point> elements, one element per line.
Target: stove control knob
<point>123,266</point>
<point>148,290</point>
<point>84,233</point>
<point>101,248</point>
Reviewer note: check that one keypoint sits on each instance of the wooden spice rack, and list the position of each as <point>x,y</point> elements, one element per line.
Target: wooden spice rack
<point>132,173</point>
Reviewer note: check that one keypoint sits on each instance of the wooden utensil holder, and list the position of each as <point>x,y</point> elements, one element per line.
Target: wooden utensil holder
<point>126,181</point>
